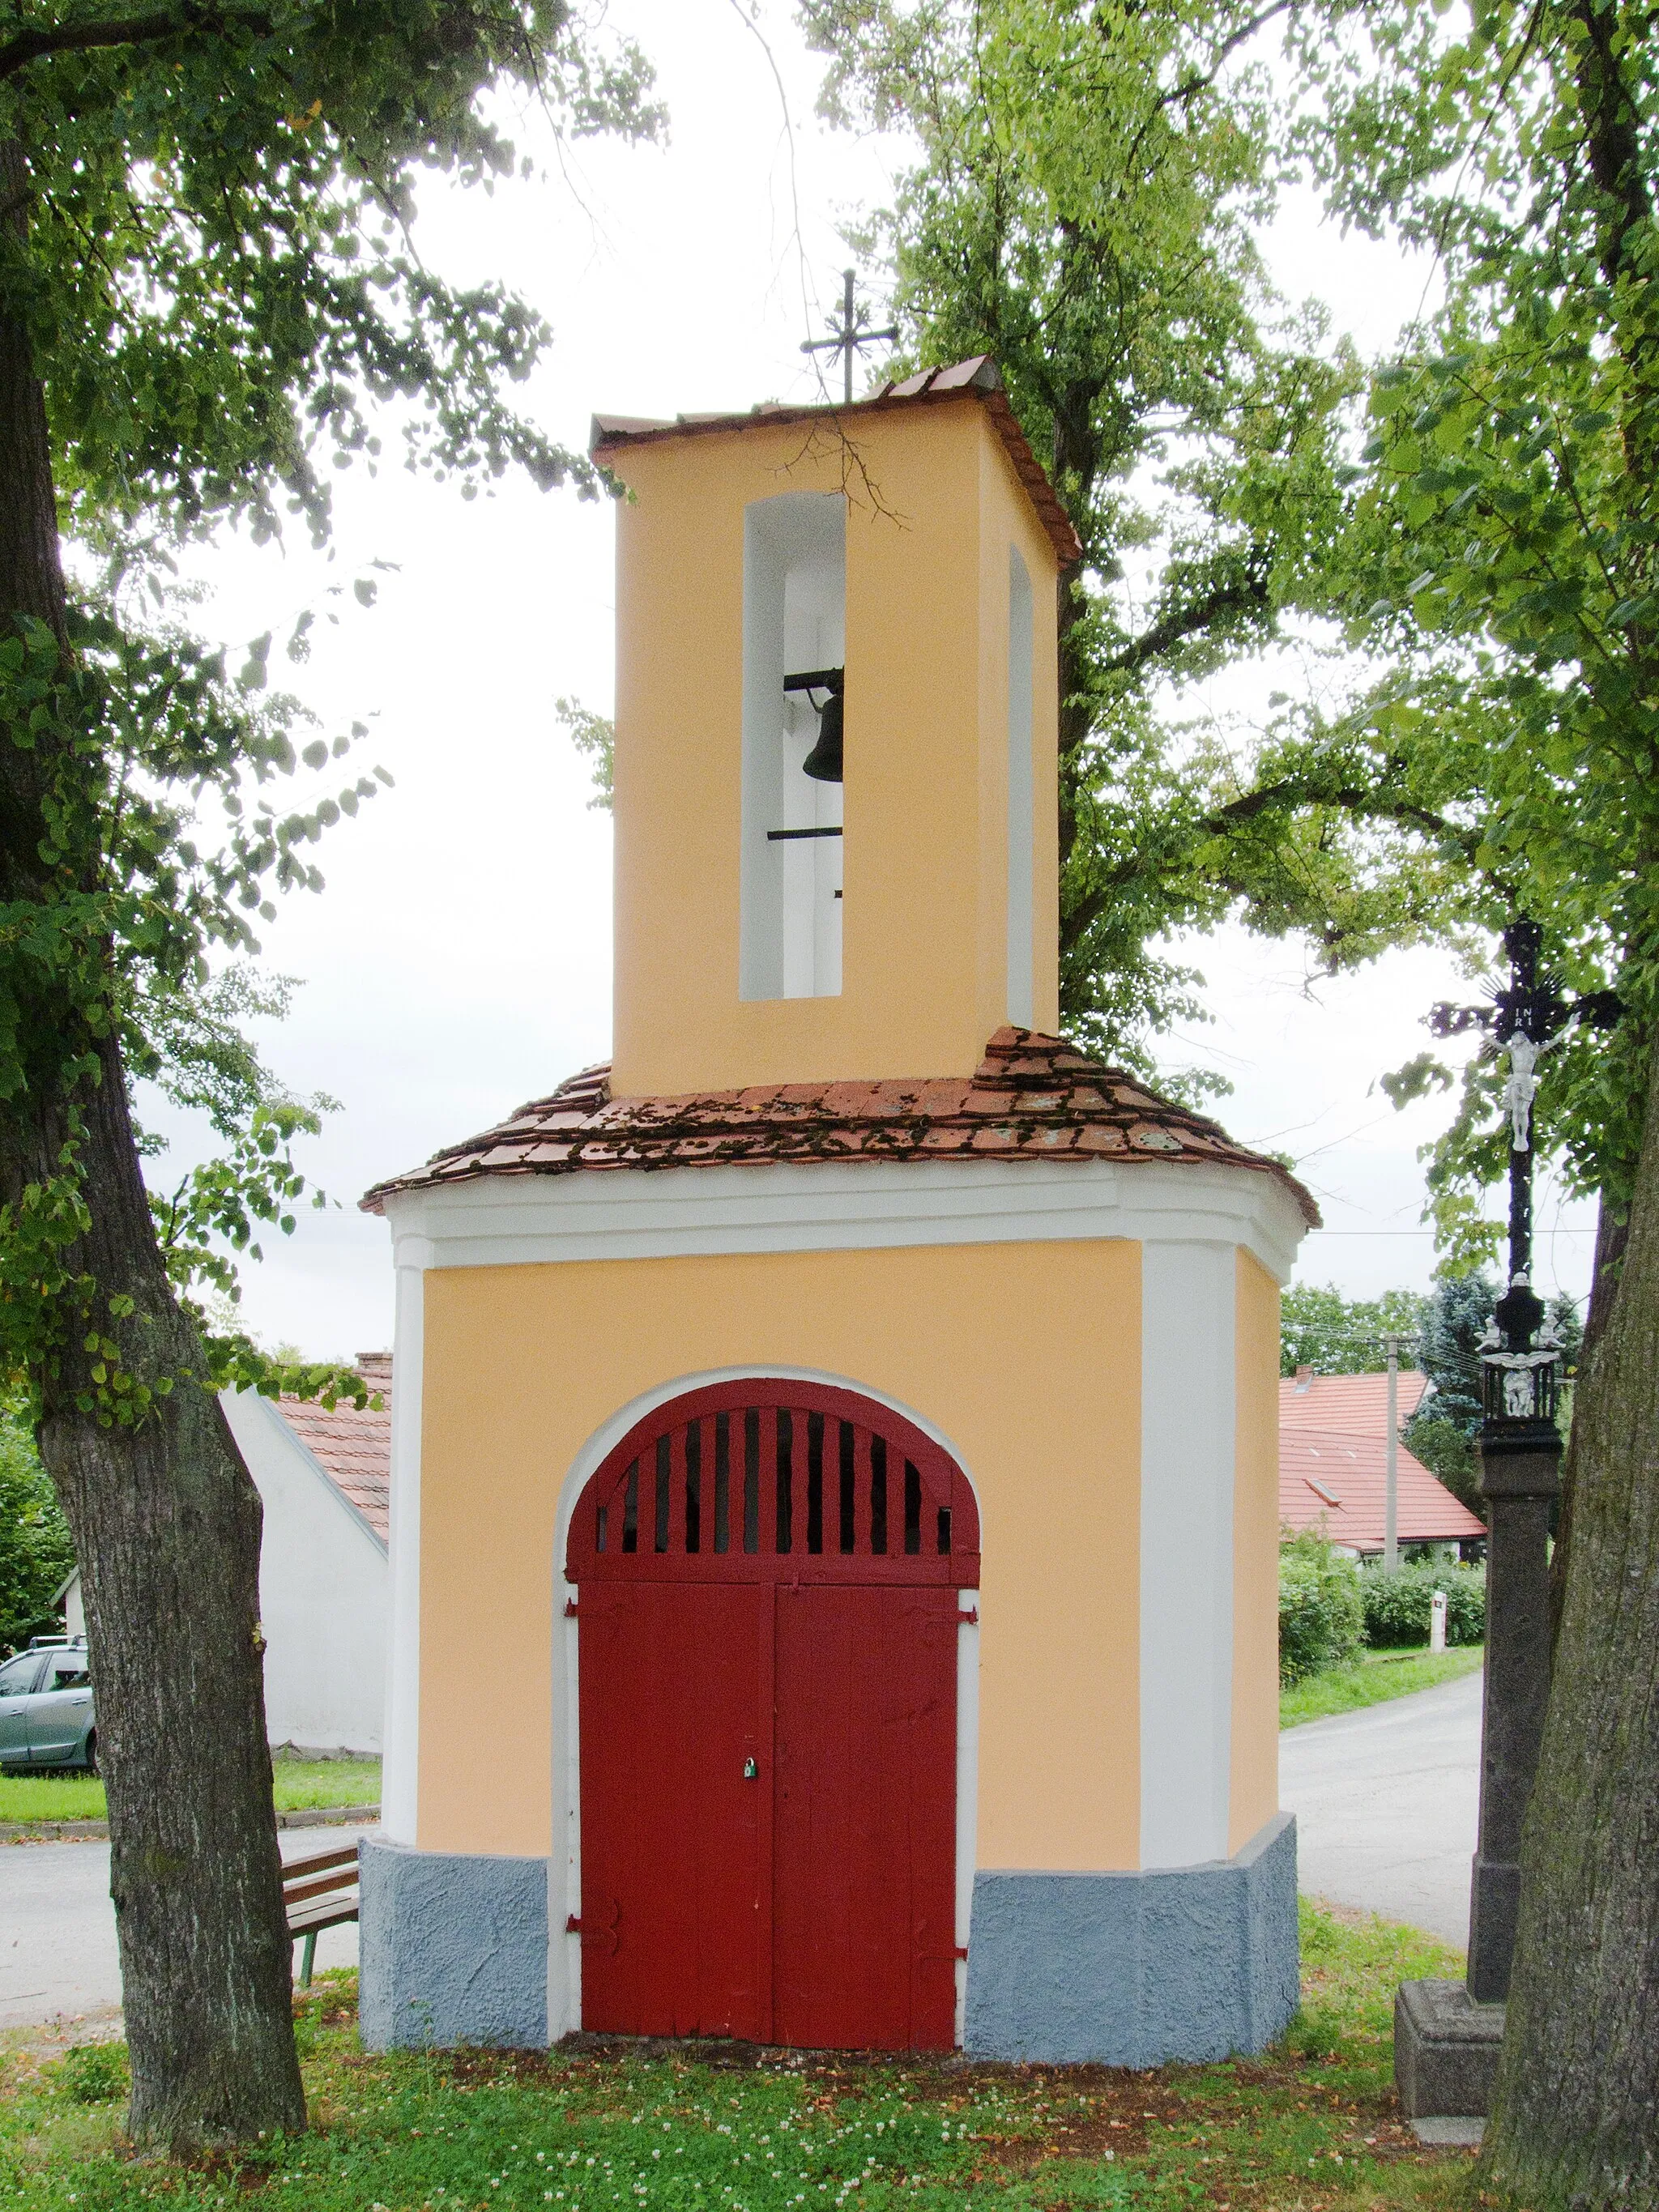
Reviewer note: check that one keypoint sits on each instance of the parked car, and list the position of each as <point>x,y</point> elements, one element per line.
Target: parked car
<point>46,1714</point>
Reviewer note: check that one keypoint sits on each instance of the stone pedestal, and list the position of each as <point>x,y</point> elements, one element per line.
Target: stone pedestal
<point>1447,2035</point>
<point>1520,1478</point>
<point>1445,2050</point>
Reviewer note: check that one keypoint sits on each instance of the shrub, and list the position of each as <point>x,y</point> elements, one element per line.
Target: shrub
<point>94,2072</point>
<point>1448,1453</point>
<point>1397,1605</point>
<point>35,1552</point>
<point>1321,1618</point>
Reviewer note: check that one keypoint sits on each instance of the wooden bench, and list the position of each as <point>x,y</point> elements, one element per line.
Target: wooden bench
<point>320,1890</point>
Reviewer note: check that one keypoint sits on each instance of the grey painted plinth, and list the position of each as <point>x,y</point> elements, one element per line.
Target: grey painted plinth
<point>1445,2050</point>
<point>451,1949</point>
<point>1134,1969</point>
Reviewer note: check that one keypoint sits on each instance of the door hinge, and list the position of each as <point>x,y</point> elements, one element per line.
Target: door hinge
<point>961,1951</point>
<point>570,1608</point>
<point>608,1934</point>
<point>968,1616</point>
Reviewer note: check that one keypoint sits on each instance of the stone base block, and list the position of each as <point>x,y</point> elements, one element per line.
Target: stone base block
<point>1445,2050</point>
<point>451,1949</point>
<point>1134,1969</point>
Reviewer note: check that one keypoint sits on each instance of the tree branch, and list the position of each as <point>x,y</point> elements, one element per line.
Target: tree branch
<point>121,31</point>
<point>1290,791</point>
<point>1188,621</point>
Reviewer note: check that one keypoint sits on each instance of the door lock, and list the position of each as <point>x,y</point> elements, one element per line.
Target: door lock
<point>750,1770</point>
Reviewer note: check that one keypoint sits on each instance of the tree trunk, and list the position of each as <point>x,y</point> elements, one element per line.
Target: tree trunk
<point>166,1523</point>
<point>164,1518</point>
<point>30,569</point>
<point>1612,1227</point>
<point>1575,2116</point>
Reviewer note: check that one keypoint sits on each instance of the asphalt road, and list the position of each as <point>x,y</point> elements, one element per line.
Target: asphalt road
<point>1387,1804</point>
<point>57,1957</point>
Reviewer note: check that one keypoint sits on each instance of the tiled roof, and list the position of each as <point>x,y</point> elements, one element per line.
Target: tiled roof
<point>1357,1404</point>
<point>1338,1484</point>
<point>353,1448</point>
<point>980,376</point>
<point>1031,1098</point>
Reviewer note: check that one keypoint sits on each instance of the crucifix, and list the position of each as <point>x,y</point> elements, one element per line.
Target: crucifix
<point>1526,1020</point>
<point>1519,1452</point>
<point>849,333</point>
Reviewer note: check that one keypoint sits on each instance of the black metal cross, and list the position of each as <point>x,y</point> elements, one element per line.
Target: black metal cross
<point>852,331</point>
<point>1521,1370</point>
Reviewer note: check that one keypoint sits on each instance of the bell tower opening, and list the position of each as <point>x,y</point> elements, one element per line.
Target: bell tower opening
<point>794,650</point>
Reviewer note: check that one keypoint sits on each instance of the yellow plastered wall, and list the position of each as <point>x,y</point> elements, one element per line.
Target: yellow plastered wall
<point>933,507</point>
<point>1255,1797</point>
<point>1027,1357</point>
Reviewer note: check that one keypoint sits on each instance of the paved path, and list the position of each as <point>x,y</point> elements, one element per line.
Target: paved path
<point>1387,1802</point>
<point>57,1955</point>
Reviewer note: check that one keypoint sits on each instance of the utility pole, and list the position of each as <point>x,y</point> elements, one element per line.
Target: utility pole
<point>1391,1510</point>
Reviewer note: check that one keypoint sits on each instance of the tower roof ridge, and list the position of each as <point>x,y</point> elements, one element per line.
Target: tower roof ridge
<point>978,377</point>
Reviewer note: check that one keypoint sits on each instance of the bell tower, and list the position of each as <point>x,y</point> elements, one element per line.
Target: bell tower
<point>836,716</point>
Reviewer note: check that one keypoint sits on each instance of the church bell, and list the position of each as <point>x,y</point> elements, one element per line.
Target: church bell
<point>822,763</point>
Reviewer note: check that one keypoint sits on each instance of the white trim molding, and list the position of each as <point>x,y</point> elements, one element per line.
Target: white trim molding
<point>1188,1450</point>
<point>645,1213</point>
<point>400,1771</point>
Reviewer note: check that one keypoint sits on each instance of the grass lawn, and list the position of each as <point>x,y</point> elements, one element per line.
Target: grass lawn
<point>301,1783</point>
<point>1311,2127</point>
<point>1371,1679</point>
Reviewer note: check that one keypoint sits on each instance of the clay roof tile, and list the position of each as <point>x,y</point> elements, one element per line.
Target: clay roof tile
<point>1022,1103</point>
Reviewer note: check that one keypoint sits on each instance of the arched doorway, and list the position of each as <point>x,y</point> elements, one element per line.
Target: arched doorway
<point>768,1576</point>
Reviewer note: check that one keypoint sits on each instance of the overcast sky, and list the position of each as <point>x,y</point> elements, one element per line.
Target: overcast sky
<point>459,960</point>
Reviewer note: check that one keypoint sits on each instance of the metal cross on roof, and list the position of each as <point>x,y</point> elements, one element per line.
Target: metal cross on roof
<point>850,333</point>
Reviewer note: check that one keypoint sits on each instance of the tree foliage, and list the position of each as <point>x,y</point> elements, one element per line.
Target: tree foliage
<point>209,246</point>
<point>1321,1328</point>
<point>35,1550</point>
<point>209,300</point>
<point>1502,554</point>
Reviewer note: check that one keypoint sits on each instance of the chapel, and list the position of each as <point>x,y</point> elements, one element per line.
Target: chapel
<point>834,1518</point>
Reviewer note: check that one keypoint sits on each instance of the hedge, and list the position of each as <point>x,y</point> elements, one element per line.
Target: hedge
<point>1397,1605</point>
<point>1320,1618</point>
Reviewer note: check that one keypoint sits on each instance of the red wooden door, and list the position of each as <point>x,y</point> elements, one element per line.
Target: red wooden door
<point>768,1577</point>
<point>670,1694</point>
<point>865,1866</point>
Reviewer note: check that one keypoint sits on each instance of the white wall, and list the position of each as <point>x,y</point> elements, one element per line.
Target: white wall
<point>323,1592</point>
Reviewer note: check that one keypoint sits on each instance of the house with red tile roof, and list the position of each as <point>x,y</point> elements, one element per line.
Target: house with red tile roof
<point>1333,1465</point>
<point>323,1479</point>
